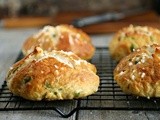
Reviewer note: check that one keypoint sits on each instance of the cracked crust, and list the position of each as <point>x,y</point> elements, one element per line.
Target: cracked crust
<point>139,72</point>
<point>129,38</point>
<point>61,37</point>
<point>55,75</point>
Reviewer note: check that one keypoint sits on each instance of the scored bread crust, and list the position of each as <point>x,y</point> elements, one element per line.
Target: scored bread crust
<point>62,37</point>
<point>139,72</point>
<point>129,38</point>
<point>55,75</point>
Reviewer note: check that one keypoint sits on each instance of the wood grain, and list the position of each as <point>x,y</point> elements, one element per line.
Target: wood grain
<point>148,18</point>
<point>24,22</point>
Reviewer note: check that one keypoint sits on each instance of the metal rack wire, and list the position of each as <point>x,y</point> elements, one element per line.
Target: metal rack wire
<point>108,97</point>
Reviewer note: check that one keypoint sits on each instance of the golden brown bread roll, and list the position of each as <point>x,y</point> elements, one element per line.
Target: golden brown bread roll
<point>61,37</point>
<point>55,75</point>
<point>139,72</point>
<point>129,38</point>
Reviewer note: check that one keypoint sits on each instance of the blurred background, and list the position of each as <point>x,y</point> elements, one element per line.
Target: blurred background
<point>14,8</point>
<point>33,13</point>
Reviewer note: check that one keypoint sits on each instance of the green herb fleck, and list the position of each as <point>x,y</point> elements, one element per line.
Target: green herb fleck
<point>132,47</point>
<point>44,95</point>
<point>136,62</point>
<point>130,60</point>
<point>131,38</point>
<point>26,79</point>
<point>60,89</point>
<point>14,69</point>
<point>55,93</point>
<point>48,85</point>
<point>152,38</point>
<point>77,94</point>
<point>54,35</point>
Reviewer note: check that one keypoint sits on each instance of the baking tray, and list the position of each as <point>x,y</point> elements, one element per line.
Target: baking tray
<point>108,97</point>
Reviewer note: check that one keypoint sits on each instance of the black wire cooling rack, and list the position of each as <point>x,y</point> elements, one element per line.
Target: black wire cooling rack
<point>108,97</point>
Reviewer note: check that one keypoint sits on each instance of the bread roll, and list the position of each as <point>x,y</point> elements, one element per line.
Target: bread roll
<point>55,75</point>
<point>139,72</point>
<point>61,37</point>
<point>129,38</point>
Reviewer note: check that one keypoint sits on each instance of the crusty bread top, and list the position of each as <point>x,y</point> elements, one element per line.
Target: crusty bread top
<point>55,75</point>
<point>143,59</point>
<point>143,30</point>
<point>61,37</point>
<point>132,37</point>
<point>139,72</point>
<point>67,58</point>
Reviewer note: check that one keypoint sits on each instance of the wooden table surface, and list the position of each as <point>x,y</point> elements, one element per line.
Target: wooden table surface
<point>149,18</point>
<point>11,41</point>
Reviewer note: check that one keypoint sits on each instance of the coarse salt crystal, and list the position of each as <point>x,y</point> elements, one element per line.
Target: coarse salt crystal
<point>130,63</point>
<point>11,68</point>
<point>138,50</point>
<point>121,73</point>
<point>78,35</point>
<point>133,77</point>
<point>143,74</point>
<point>137,58</point>
<point>56,66</point>
<point>143,60</point>
<point>56,72</point>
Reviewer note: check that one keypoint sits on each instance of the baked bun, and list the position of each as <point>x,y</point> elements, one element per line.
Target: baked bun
<point>55,75</point>
<point>139,72</point>
<point>61,37</point>
<point>130,38</point>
